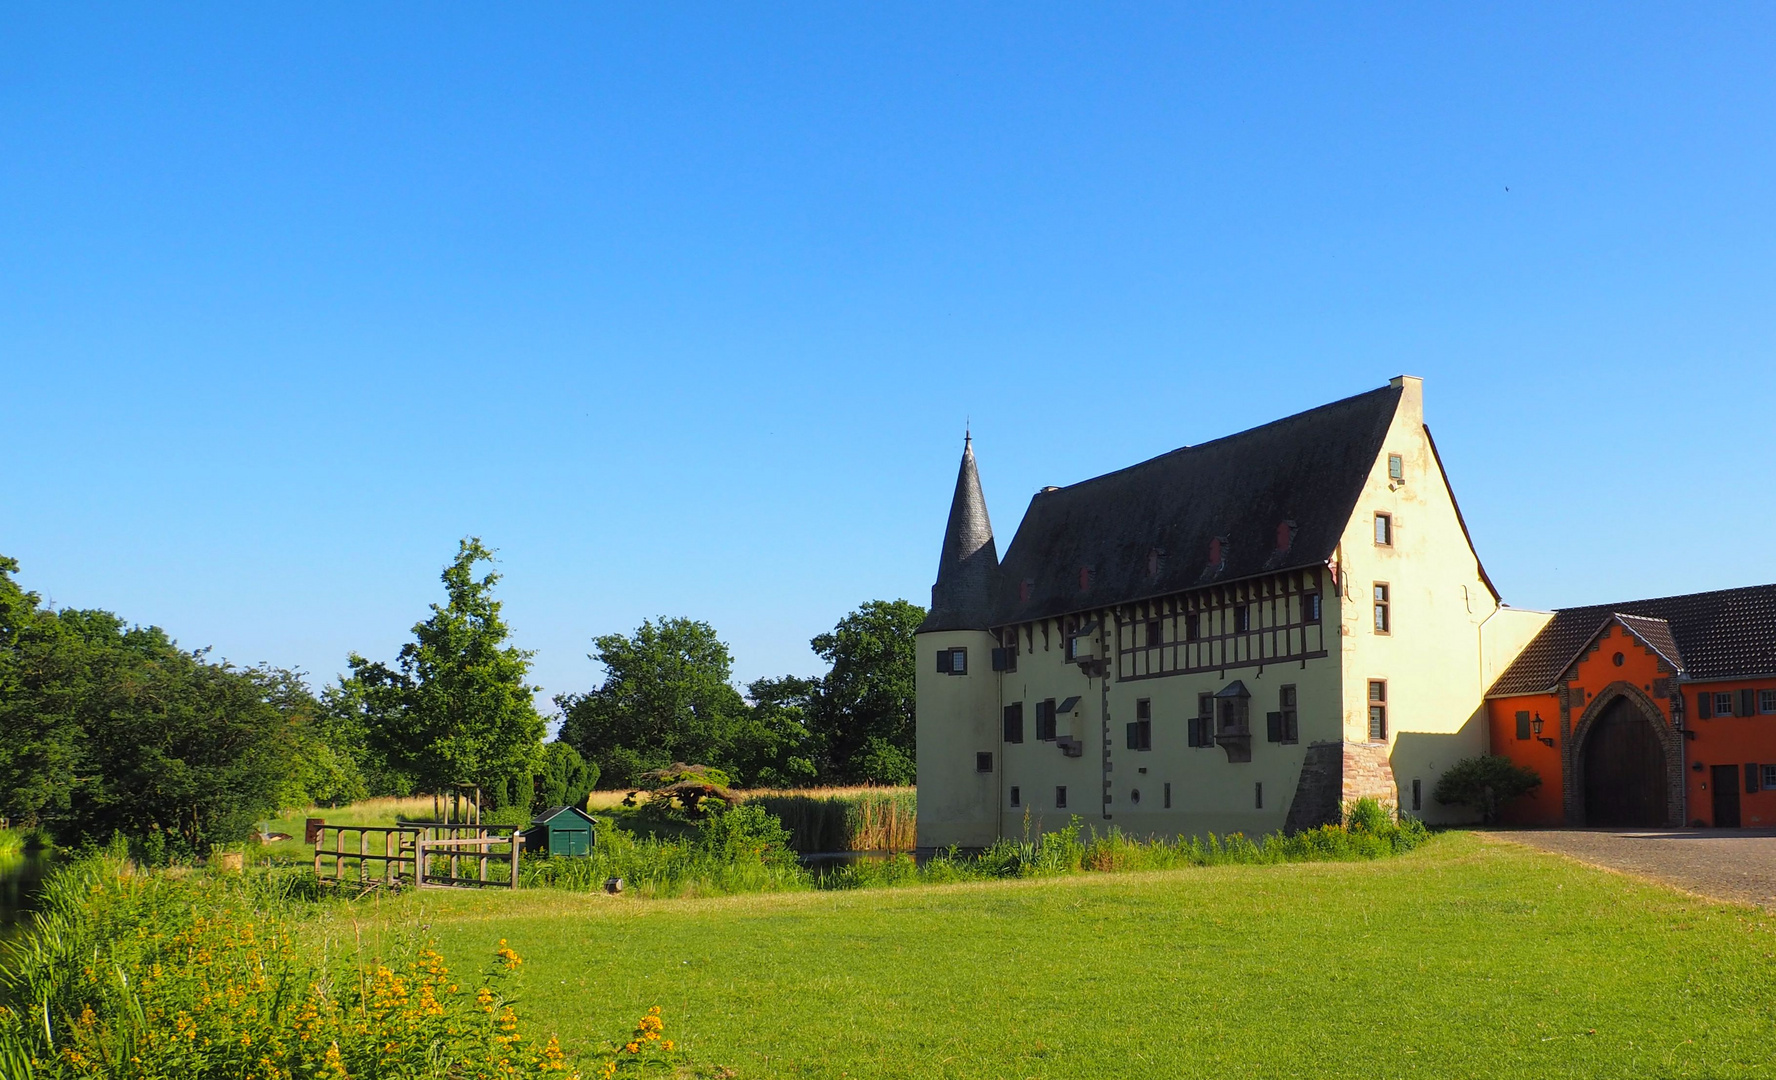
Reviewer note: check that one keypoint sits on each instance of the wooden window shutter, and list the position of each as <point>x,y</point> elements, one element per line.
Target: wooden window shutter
<point>1134,736</point>
<point>1751,778</point>
<point>943,661</point>
<point>1523,724</point>
<point>1273,726</point>
<point>1704,706</point>
<point>1748,703</point>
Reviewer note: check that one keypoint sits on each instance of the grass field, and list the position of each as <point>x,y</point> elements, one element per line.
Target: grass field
<point>1467,958</point>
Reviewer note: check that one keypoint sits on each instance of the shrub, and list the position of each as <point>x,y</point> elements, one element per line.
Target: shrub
<point>859,819</point>
<point>1485,784</point>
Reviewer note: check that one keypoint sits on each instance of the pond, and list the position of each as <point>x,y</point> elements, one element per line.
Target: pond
<point>21,876</point>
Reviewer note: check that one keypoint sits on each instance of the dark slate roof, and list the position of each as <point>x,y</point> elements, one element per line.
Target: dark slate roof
<point>556,811</point>
<point>962,598</point>
<point>1148,530</point>
<point>1713,635</point>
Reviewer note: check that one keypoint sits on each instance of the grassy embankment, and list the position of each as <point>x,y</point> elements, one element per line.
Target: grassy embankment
<point>1466,958</point>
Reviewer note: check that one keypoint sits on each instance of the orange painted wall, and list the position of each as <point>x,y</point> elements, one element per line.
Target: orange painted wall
<point>1541,806</point>
<point>1730,740</point>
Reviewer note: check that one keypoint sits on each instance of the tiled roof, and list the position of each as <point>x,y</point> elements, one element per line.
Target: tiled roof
<point>962,598</point>
<point>1152,529</point>
<point>1726,634</point>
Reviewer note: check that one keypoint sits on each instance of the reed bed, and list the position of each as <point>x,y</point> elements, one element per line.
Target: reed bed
<point>823,820</point>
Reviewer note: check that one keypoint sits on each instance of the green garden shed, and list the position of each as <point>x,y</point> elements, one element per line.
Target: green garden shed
<point>562,830</point>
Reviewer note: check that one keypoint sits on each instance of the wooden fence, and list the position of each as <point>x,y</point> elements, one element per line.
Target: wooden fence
<point>416,854</point>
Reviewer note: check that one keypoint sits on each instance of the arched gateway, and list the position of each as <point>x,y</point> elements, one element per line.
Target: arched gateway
<point>1626,774</point>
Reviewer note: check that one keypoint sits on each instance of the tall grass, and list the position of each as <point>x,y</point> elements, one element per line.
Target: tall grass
<point>743,850</point>
<point>12,842</point>
<point>844,819</point>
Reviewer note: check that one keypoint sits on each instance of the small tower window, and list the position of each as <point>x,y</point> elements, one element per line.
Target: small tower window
<point>1396,469</point>
<point>952,661</point>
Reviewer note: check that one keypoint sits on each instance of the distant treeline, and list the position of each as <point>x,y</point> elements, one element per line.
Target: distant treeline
<point>107,727</point>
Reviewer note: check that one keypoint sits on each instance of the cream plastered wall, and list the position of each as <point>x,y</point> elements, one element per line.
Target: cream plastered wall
<point>1209,793</point>
<point>1432,656</point>
<point>955,717</point>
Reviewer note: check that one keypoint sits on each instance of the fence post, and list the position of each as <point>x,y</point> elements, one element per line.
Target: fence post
<point>517,843</point>
<point>320,834</point>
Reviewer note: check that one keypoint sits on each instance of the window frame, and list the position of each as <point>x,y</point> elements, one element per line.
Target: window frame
<point>959,652</point>
<point>1384,529</point>
<point>1766,702</point>
<point>1397,468</point>
<point>1312,610</point>
<point>983,762</point>
<point>1769,777</point>
<point>1016,793</point>
<point>1045,720</point>
<point>1524,733</point>
<point>1060,796</point>
<point>1378,708</point>
<point>1723,696</point>
<point>1012,729</point>
<point>1381,598</point>
<point>1288,698</point>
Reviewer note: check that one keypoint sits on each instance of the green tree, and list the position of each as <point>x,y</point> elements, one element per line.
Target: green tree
<point>42,685</point>
<point>862,715</point>
<point>455,709</point>
<point>566,778</point>
<point>772,746</point>
<point>665,698</point>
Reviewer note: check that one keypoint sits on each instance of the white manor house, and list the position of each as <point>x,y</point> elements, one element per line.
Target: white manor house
<point>1236,636</point>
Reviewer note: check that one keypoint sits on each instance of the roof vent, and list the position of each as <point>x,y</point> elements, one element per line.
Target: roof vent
<point>1285,535</point>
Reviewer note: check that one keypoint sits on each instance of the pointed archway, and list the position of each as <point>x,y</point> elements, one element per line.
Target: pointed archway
<point>1624,763</point>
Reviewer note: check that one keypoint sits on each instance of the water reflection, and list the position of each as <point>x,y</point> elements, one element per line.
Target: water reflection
<point>21,876</point>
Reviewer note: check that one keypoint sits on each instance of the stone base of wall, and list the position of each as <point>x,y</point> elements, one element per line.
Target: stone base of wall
<point>1336,773</point>
<point>1368,775</point>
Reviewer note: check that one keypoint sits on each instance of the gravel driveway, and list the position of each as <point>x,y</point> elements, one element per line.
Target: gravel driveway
<point>1727,864</point>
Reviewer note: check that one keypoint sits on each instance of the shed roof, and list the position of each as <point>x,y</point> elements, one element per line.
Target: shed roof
<point>1276,497</point>
<point>556,811</point>
<point>1726,634</point>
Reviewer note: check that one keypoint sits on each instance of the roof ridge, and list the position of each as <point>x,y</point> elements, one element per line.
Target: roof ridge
<point>1194,447</point>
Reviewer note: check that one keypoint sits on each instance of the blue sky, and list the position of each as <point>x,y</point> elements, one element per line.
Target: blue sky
<point>684,308</point>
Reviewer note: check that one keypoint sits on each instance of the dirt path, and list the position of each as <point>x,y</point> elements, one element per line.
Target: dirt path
<point>1726,864</point>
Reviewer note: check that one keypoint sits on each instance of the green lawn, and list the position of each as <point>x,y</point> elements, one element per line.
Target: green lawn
<point>1466,958</point>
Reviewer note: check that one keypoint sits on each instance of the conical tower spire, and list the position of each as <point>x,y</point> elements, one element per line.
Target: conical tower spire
<point>962,598</point>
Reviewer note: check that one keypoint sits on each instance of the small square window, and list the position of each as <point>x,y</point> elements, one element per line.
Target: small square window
<point>1384,529</point>
<point>1396,468</point>
<point>1061,797</point>
<point>1723,704</point>
<point>983,762</point>
<point>1016,796</point>
<point>1767,701</point>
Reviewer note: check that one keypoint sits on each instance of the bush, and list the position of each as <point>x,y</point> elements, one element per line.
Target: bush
<point>738,850</point>
<point>1485,784</point>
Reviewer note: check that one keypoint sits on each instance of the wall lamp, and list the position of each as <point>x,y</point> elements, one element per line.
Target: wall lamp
<point>1536,726</point>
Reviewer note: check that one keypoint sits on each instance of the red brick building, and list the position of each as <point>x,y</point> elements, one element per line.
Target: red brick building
<point>1646,713</point>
